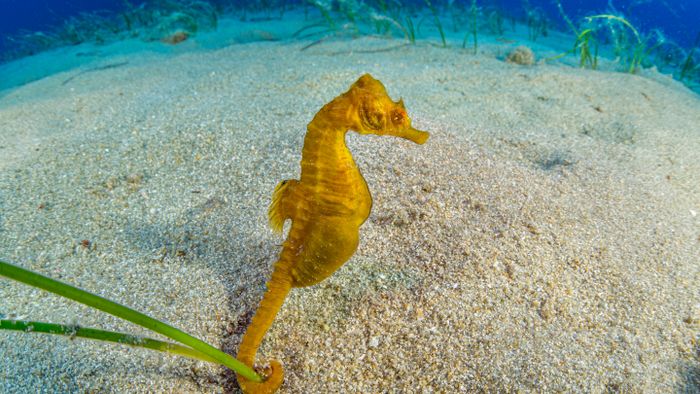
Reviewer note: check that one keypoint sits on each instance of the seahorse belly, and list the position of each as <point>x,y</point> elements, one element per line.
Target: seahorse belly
<point>327,246</point>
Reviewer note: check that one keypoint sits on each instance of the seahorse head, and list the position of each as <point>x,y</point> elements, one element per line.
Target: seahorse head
<point>374,112</point>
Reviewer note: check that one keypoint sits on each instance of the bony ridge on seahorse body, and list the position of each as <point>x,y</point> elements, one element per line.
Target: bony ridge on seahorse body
<point>327,206</point>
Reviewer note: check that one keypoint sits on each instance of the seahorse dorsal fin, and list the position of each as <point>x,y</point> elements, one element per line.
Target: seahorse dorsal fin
<point>282,205</point>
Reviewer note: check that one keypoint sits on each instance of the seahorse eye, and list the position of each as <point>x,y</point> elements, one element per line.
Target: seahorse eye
<point>397,116</point>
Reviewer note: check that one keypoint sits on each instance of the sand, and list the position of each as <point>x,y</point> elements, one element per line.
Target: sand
<point>545,239</point>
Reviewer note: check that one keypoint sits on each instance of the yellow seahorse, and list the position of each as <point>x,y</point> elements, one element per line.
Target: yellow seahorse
<point>327,206</point>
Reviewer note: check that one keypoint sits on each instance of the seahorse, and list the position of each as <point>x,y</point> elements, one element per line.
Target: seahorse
<point>327,206</point>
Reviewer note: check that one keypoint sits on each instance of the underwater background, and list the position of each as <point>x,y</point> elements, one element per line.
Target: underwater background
<point>545,237</point>
<point>660,33</point>
<point>677,19</point>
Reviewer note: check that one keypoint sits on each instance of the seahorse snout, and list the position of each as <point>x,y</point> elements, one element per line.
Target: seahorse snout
<point>415,135</point>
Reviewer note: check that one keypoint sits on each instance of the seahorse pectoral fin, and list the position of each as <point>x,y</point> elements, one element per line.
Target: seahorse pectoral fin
<point>273,380</point>
<point>282,205</point>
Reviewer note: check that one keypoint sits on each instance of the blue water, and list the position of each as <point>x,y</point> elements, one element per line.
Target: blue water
<point>679,20</point>
<point>28,27</point>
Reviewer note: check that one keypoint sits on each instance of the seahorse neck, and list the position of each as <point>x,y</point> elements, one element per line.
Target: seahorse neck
<point>325,155</point>
<point>329,174</point>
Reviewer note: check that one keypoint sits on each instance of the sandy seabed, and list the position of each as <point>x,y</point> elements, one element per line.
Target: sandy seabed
<point>546,238</point>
